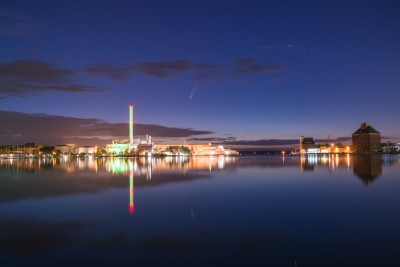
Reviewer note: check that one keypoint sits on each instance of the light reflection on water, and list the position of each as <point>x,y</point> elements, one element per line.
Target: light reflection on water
<point>315,210</point>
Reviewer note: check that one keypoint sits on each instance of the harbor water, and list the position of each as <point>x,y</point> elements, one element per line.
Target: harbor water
<point>315,210</point>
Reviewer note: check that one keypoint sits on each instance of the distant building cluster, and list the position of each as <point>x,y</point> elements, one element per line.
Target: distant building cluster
<point>116,149</point>
<point>308,145</point>
<point>30,150</point>
<point>365,139</point>
<point>138,146</point>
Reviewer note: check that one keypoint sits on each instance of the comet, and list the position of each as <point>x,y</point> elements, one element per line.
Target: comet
<point>193,91</point>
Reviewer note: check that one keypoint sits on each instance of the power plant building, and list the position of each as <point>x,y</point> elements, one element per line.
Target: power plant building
<point>366,139</point>
<point>137,146</point>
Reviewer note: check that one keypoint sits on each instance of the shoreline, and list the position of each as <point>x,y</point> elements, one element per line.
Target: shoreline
<point>255,153</point>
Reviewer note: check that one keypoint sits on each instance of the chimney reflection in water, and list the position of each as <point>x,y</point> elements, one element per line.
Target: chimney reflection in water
<point>131,189</point>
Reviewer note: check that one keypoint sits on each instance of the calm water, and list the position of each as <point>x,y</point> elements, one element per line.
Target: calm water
<point>243,211</point>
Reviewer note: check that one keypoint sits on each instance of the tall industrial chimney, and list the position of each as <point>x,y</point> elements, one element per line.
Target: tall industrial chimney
<point>131,124</point>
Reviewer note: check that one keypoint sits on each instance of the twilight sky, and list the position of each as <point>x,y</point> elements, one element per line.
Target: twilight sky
<point>234,72</point>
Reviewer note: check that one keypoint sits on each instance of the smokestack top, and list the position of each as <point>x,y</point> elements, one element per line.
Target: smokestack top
<point>131,124</point>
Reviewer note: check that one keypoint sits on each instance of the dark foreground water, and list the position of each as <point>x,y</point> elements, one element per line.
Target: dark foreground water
<point>244,211</point>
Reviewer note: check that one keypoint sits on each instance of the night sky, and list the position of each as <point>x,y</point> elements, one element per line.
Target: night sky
<point>232,72</point>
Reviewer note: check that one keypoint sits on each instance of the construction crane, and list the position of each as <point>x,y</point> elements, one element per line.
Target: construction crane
<point>327,140</point>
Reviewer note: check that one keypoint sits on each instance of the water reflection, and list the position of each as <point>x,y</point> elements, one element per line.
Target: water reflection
<point>187,208</point>
<point>366,167</point>
<point>41,178</point>
<point>331,161</point>
<point>52,177</point>
<point>131,189</point>
<point>144,166</point>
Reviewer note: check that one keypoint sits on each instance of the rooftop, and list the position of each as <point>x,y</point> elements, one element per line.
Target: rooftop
<point>365,128</point>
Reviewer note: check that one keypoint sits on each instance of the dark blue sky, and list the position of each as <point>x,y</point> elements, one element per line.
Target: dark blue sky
<point>242,70</point>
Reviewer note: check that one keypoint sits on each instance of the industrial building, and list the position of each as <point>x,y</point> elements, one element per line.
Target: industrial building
<point>131,146</point>
<point>366,139</point>
<point>307,145</point>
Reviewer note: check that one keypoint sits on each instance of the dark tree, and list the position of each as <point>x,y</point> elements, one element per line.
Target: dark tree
<point>47,149</point>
